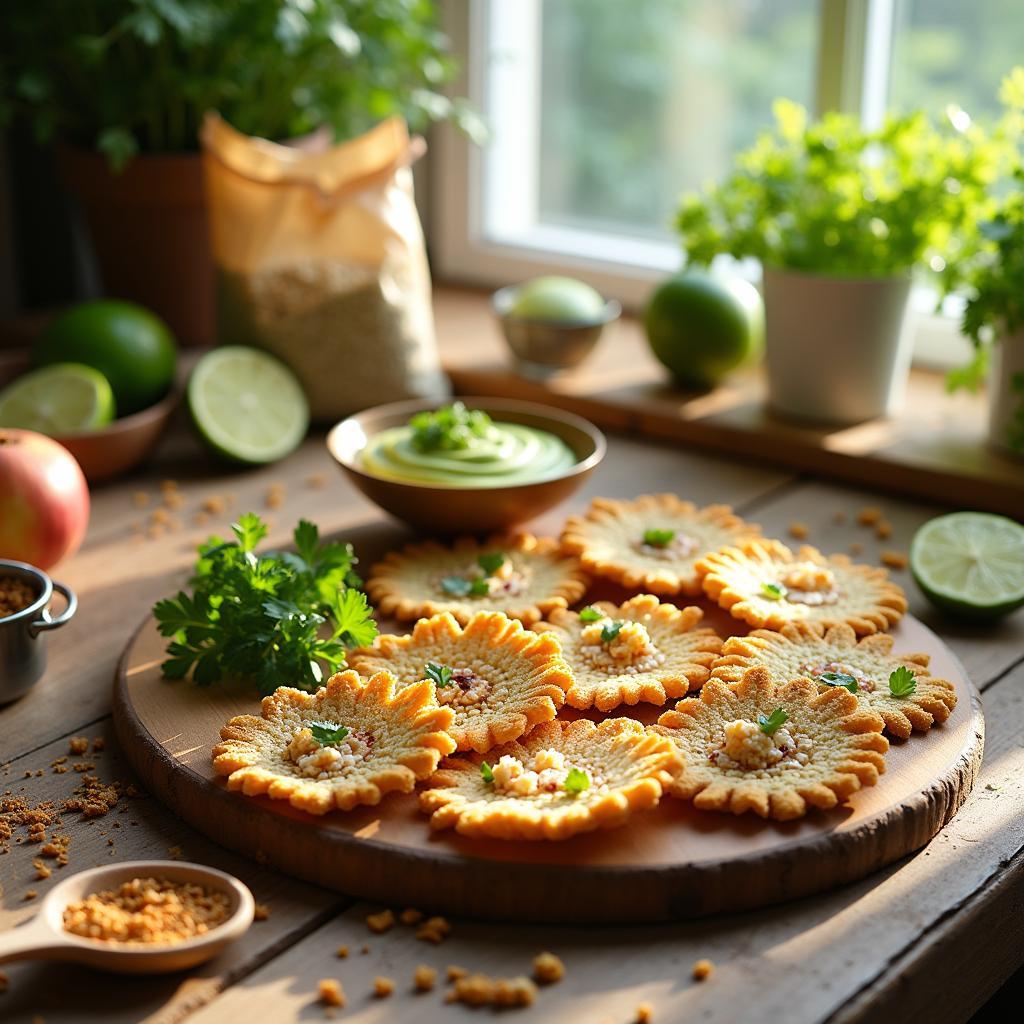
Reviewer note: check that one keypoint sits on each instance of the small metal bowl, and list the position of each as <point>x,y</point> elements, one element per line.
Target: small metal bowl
<point>22,652</point>
<point>474,510</point>
<point>542,348</point>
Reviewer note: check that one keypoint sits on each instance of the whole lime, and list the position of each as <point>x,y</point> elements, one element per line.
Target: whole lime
<point>131,347</point>
<point>557,300</point>
<point>702,326</point>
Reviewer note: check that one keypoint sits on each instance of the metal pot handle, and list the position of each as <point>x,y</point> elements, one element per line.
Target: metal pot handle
<point>45,623</point>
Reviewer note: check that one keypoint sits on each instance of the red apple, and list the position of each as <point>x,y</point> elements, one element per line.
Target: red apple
<point>44,499</point>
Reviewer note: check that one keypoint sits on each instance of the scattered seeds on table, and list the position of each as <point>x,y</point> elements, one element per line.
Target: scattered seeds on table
<point>894,559</point>
<point>411,916</point>
<point>382,987</point>
<point>342,952</point>
<point>424,978</point>
<point>869,515</point>
<point>381,922</point>
<point>702,970</point>
<point>801,531</point>
<point>548,968</point>
<point>330,992</point>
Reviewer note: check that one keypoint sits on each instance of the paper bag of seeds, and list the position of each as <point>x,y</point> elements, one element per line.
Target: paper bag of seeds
<point>320,260</point>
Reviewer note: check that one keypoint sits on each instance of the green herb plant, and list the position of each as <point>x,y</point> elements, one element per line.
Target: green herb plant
<point>440,675</point>
<point>451,428</point>
<point>773,591</point>
<point>830,197</point>
<point>902,682</point>
<point>325,735</point>
<point>847,682</point>
<point>611,631</point>
<point>994,278</point>
<point>486,772</point>
<point>590,614</point>
<point>771,724</point>
<point>576,781</point>
<point>136,76</point>
<point>277,619</point>
<point>659,538</point>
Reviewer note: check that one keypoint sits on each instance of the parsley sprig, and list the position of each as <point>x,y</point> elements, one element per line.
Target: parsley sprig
<point>486,772</point>
<point>902,682</point>
<point>491,561</point>
<point>278,619</point>
<point>611,631</point>
<point>843,679</point>
<point>441,675</point>
<point>590,614</point>
<point>771,724</point>
<point>576,781</point>
<point>450,428</point>
<point>659,538</point>
<point>773,591</point>
<point>328,734</point>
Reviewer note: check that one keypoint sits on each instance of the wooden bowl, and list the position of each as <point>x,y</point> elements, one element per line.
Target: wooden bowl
<point>115,449</point>
<point>450,510</point>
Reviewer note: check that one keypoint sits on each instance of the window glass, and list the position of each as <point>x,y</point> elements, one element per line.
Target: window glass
<point>643,100</point>
<point>954,52</point>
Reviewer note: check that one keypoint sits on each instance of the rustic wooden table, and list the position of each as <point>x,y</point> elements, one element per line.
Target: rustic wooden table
<point>933,934</point>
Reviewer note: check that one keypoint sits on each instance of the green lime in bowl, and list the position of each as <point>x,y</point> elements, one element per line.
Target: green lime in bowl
<point>61,399</point>
<point>970,564</point>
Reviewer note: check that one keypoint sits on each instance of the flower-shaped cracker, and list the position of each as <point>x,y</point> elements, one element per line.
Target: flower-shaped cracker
<point>653,542</point>
<point>498,678</point>
<point>563,778</point>
<point>772,750</point>
<point>641,650</point>
<point>834,657</point>
<point>521,575</point>
<point>349,743</point>
<point>764,583</point>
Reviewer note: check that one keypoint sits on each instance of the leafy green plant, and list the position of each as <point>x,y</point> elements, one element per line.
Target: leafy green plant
<point>260,617</point>
<point>994,276</point>
<point>830,197</point>
<point>131,76</point>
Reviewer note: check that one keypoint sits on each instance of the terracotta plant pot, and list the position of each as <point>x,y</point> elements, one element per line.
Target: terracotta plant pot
<point>149,232</point>
<point>835,347</point>
<point>1006,395</point>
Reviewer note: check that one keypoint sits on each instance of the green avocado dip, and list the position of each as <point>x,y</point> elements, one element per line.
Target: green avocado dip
<point>459,447</point>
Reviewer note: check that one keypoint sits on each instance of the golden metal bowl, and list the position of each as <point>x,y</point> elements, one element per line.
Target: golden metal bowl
<point>474,510</point>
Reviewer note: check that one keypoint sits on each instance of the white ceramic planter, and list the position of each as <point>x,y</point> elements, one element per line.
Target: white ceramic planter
<point>1006,394</point>
<point>836,348</point>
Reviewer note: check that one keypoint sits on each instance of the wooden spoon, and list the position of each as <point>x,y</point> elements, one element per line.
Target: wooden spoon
<point>44,937</point>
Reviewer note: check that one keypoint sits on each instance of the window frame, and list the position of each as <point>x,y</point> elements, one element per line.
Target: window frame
<point>852,69</point>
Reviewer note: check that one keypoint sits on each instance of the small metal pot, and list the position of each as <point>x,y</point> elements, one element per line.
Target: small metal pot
<point>22,652</point>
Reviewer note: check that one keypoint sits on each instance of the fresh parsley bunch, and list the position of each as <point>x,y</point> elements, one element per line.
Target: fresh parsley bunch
<point>451,428</point>
<point>262,617</point>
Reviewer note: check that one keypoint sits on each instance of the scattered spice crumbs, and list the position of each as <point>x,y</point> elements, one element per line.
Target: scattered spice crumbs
<point>99,744</point>
<point>342,952</point>
<point>839,518</point>
<point>883,530</point>
<point>411,916</point>
<point>30,894</point>
<point>424,978</point>
<point>275,495</point>
<point>894,559</point>
<point>260,912</point>
<point>644,1013</point>
<point>382,987</point>
<point>482,990</point>
<point>317,481</point>
<point>365,949</point>
<point>140,499</point>
<point>175,852</point>
<point>42,870</point>
<point>702,970</point>
<point>869,515</point>
<point>801,531</point>
<point>454,972</point>
<point>434,929</point>
<point>381,922</point>
<point>548,968</point>
<point>78,745</point>
<point>330,992</point>
<point>856,548</point>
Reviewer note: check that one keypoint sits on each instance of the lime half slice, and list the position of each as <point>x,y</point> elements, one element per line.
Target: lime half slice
<point>970,564</point>
<point>66,398</point>
<point>247,405</point>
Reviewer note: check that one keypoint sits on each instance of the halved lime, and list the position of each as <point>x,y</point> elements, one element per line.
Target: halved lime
<point>970,564</point>
<point>247,405</point>
<point>65,398</point>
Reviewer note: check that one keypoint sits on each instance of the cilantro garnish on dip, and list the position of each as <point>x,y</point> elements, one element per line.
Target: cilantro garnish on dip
<point>458,447</point>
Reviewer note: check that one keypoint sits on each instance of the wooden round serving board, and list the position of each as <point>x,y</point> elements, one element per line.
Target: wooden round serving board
<point>668,863</point>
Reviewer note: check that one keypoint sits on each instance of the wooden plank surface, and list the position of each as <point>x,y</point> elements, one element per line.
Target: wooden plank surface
<point>933,447</point>
<point>926,939</point>
<point>840,956</point>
